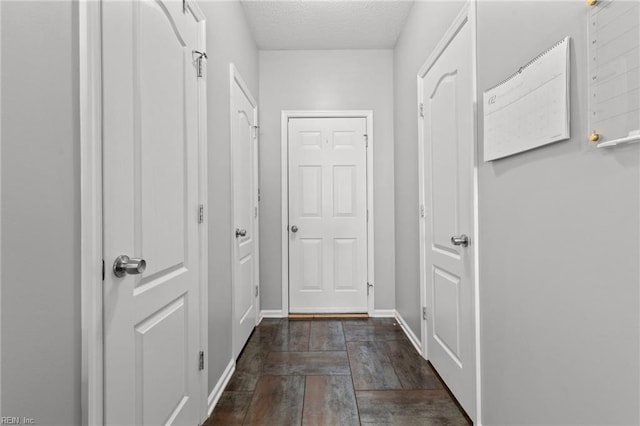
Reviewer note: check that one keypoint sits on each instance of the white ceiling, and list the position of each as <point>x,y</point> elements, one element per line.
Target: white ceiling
<point>328,24</point>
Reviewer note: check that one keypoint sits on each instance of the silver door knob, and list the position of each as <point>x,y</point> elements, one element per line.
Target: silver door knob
<point>241,232</point>
<point>460,240</point>
<point>294,228</point>
<point>125,265</point>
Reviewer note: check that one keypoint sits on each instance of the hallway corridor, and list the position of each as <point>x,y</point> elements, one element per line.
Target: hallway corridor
<point>332,372</point>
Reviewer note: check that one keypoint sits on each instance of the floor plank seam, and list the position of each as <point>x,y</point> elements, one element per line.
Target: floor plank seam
<point>304,397</point>
<point>353,385</point>
<point>246,410</point>
<point>393,366</point>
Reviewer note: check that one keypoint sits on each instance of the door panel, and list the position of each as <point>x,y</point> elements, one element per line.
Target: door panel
<point>154,335</point>
<point>444,171</point>
<point>310,195</point>
<point>344,191</point>
<point>448,135</point>
<point>446,312</point>
<point>150,180</point>
<point>327,204</point>
<point>245,209</point>
<point>345,262</point>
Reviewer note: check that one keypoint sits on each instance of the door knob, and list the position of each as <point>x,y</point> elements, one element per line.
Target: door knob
<point>125,265</point>
<point>241,232</point>
<point>460,240</point>
<point>294,228</point>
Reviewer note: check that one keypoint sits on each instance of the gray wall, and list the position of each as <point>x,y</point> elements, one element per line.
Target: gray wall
<point>559,248</point>
<point>424,28</point>
<point>559,315</point>
<point>41,202</point>
<point>40,212</point>
<point>559,234</point>
<point>325,80</point>
<point>228,40</point>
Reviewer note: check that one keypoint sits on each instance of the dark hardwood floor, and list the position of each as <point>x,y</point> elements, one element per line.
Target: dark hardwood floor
<point>333,372</point>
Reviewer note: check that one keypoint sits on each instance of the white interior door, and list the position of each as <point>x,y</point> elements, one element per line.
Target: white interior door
<point>245,210</point>
<point>150,189</point>
<point>448,146</point>
<point>327,215</point>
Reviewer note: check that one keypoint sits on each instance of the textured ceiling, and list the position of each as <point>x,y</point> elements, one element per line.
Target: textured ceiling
<point>328,24</point>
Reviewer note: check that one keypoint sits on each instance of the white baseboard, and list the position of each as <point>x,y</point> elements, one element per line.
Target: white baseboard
<point>412,337</point>
<point>216,393</point>
<point>271,313</point>
<point>384,313</point>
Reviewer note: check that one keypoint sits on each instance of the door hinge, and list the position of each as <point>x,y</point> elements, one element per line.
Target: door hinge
<point>257,291</point>
<point>255,212</point>
<point>201,361</point>
<point>200,62</point>
<point>103,270</point>
<point>255,131</point>
<point>424,313</point>
<point>421,210</point>
<point>421,110</point>
<point>258,194</point>
<point>369,286</point>
<point>366,140</point>
<point>201,213</point>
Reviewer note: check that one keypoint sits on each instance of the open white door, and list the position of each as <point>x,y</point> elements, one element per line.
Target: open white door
<point>448,135</point>
<point>151,206</point>
<point>244,153</point>
<point>327,215</point>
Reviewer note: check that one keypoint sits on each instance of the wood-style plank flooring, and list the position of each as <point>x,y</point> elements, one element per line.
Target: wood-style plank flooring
<point>333,372</point>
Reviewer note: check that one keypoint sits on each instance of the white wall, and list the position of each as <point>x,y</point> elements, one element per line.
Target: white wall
<point>559,248</point>
<point>559,234</point>
<point>325,80</point>
<point>424,28</point>
<point>228,40</point>
<point>41,206</point>
<point>40,212</point>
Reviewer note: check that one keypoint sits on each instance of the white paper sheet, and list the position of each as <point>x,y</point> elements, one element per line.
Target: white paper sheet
<point>614,71</point>
<point>531,107</point>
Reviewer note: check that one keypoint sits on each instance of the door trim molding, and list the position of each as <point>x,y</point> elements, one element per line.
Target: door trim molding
<point>90,53</point>
<point>466,15</point>
<point>236,78</point>
<point>284,192</point>
<point>203,230</point>
<point>91,256</point>
<point>473,21</point>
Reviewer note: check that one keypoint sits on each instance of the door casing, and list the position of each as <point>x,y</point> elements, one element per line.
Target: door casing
<point>284,179</point>
<point>91,226</point>
<point>235,79</point>
<point>466,15</point>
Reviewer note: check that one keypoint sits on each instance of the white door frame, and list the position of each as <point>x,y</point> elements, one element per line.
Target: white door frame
<point>91,256</point>
<point>236,78</point>
<point>466,15</point>
<point>284,179</point>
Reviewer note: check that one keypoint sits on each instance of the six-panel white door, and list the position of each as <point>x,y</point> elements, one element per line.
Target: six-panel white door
<point>448,141</point>
<point>150,128</point>
<point>327,215</point>
<point>245,210</point>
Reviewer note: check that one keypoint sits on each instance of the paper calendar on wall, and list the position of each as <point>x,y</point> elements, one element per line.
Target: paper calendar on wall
<point>614,72</point>
<point>531,107</point>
